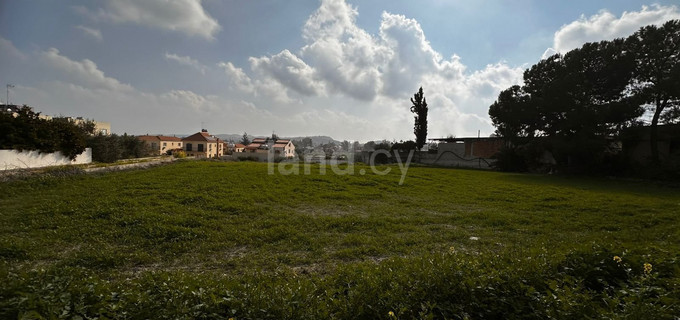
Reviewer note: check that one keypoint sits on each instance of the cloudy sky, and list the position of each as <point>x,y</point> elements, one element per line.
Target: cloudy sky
<point>330,67</point>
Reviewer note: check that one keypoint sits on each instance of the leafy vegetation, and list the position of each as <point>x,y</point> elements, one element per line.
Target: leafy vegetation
<point>576,102</point>
<point>111,148</point>
<point>208,239</point>
<point>28,131</point>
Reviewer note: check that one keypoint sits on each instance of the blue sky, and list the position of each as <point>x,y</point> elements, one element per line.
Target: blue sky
<point>331,67</point>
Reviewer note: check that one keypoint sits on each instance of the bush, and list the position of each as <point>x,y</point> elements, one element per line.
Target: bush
<point>27,131</point>
<point>111,148</point>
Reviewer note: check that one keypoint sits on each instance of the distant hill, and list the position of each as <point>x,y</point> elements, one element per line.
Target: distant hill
<point>316,140</point>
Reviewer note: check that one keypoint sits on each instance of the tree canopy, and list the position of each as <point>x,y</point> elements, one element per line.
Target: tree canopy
<point>577,100</point>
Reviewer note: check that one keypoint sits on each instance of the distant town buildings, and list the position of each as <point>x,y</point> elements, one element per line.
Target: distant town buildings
<point>280,147</point>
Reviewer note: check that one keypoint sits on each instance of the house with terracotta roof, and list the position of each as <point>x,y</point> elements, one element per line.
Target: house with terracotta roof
<point>203,145</point>
<point>284,148</point>
<point>161,144</point>
<point>238,147</point>
<point>279,147</point>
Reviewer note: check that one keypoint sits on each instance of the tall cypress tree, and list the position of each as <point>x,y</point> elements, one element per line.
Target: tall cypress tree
<point>420,109</point>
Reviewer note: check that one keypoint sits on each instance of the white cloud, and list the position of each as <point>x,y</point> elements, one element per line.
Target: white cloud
<point>289,70</point>
<point>94,33</point>
<point>606,26</point>
<point>189,99</point>
<point>237,78</point>
<point>9,51</point>
<point>380,72</point>
<point>345,56</point>
<point>187,16</point>
<point>412,56</point>
<point>186,61</point>
<point>263,86</point>
<point>344,82</point>
<point>84,73</point>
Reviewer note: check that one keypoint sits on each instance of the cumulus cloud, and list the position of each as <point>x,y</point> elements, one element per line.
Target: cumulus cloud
<point>344,81</point>
<point>187,16</point>
<point>238,79</point>
<point>186,61</point>
<point>289,70</point>
<point>263,86</point>
<point>94,33</point>
<point>341,60</point>
<point>606,26</point>
<point>345,56</point>
<point>412,56</point>
<point>85,72</point>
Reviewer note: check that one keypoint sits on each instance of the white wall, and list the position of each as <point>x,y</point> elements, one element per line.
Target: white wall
<point>13,159</point>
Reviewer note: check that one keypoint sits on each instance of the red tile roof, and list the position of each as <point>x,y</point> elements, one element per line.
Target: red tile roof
<point>253,146</point>
<point>238,145</point>
<point>169,138</point>
<point>148,138</point>
<point>280,145</point>
<point>201,136</point>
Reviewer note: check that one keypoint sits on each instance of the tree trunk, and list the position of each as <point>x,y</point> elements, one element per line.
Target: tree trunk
<point>654,132</point>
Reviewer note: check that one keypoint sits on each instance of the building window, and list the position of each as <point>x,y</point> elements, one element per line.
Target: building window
<point>199,147</point>
<point>189,147</point>
<point>165,144</point>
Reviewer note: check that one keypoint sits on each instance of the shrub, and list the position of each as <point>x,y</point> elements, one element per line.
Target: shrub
<point>27,131</point>
<point>111,148</point>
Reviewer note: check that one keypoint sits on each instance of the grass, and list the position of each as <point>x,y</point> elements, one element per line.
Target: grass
<point>204,239</point>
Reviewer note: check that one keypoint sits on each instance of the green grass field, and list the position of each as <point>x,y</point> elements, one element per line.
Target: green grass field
<point>204,239</point>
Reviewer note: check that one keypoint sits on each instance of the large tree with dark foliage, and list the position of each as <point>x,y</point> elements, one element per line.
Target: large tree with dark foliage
<point>577,101</point>
<point>26,130</point>
<point>420,109</point>
<point>656,81</point>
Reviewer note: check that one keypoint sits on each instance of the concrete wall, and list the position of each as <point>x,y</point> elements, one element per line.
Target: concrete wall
<point>13,159</point>
<point>450,160</point>
<point>457,148</point>
<point>261,156</point>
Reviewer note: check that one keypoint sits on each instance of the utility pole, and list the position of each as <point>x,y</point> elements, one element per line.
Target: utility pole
<point>8,86</point>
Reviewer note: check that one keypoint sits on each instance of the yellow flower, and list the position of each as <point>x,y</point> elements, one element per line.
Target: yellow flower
<point>617,259</point>
<point>648,268</point>
<point>452,249</point>
<point>390,314</point>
